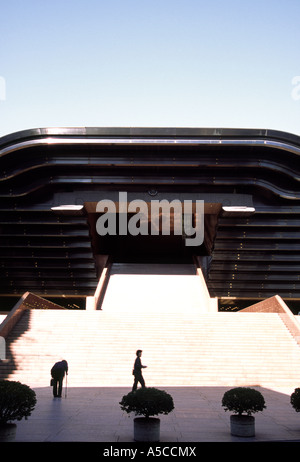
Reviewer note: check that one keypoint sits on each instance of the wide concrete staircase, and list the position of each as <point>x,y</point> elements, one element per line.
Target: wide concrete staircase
<point>182,345</point>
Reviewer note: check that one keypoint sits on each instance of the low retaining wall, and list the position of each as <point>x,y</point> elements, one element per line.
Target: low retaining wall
<point>27,301</point>
<point>277,305</point>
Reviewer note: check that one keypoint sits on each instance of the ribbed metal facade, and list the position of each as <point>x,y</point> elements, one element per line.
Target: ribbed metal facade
<point>250,256</point>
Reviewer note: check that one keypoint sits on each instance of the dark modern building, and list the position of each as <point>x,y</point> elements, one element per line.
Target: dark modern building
<point>53,178</point>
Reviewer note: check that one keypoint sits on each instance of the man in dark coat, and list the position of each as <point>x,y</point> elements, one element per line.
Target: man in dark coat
<point>137,371</point>
<point>57,373</point>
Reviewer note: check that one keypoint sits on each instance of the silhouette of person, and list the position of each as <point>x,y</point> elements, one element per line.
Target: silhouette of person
<point>137,371</point>
<point>57,373</point>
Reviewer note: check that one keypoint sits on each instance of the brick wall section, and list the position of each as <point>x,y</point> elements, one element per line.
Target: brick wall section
<point>270,305</point>
<point>27,301</point>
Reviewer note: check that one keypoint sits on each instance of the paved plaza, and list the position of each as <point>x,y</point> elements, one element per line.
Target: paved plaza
<point>94,415</point>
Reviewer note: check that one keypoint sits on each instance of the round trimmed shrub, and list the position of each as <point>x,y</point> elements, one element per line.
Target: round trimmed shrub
<point>148,401</point>
<point>16,401</point>
<point>243,400</point>
<point>295,399</point>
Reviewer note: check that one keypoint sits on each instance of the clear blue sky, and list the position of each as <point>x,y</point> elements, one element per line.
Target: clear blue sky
<point>155,63</point>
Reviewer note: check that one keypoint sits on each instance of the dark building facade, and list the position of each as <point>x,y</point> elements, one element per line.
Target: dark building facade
<point>52,179</point>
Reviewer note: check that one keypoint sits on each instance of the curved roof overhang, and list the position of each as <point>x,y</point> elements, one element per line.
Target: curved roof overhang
<point>255,257</point>
<point>269,151</point>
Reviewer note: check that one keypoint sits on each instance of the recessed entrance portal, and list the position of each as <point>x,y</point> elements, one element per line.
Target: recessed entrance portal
<point>153,272</point>
<point>156,249</point>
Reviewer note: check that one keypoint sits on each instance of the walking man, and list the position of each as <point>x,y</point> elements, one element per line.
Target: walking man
<point>137,371</point>
<point>58,372</point>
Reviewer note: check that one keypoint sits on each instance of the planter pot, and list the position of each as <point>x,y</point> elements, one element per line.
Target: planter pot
<point>8,432</point>
<point>242,425</point>
<point>146,429</point>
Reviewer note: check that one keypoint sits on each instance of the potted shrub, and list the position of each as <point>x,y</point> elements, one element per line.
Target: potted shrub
<point>147,402</point>
<point>16,401</point>
<point>244,402</point>
<point>295,399</point>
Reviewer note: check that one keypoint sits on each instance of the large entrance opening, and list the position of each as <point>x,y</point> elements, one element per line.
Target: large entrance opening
<point>153,272</point>
<point>152,248</point>
<point>154,287</point>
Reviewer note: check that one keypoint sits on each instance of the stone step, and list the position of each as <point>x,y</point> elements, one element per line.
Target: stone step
<point>181,347</point>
